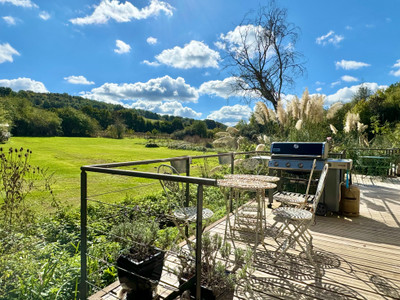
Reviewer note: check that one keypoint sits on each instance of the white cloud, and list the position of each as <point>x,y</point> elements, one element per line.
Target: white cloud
<point>348,78</point>
<point>10,20</point>
<point>122,47</point>
<point>350,64</point>
<point>223,89</point>
<point>44,15</point>
<point>78,80</point>
<point>397,64</point>
<point>230,115</point>
<point>335,83</point>
<point>23,3</point>
<point>158,89</point>
<point>226,88</point>
<point>151,63</point>
<point>122,12</point>
<point>329,38</point>
<point>151,40</point>
<point>7,52</point>
<point>242,35</point>
<point>193,55</point>
<point>396,72</point>
<point>346,94</point>
<point>25,84</point>
<point>173,108</point>
<point>348,27</point>
<point>318,89</point>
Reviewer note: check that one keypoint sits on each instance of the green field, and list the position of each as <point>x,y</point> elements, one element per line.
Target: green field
<point>64,156</point>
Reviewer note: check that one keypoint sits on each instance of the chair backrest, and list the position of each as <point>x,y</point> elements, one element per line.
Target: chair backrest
<point>173,189</point>
<point>310,178</point>
<point>320,187</point>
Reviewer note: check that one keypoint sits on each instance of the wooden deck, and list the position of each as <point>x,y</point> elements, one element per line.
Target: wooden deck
<point>358,258</point>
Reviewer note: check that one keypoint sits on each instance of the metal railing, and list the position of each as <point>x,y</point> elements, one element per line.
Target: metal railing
<point>118,170</point>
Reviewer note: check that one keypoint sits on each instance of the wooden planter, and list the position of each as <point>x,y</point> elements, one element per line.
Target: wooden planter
<point>149,269</point>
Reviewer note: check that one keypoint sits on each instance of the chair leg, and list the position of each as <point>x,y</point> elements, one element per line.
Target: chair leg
<point>296,236</point>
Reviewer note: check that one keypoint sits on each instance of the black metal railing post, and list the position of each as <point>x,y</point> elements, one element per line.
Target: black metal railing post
<point>199,231</point>
<point>188,161</point>
<point>83,280</point>
<point>232,163</point>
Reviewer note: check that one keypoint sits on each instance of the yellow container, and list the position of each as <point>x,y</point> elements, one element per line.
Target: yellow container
<point>350,201</point>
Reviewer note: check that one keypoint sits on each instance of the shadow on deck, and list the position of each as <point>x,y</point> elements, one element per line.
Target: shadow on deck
<point>356,258</point>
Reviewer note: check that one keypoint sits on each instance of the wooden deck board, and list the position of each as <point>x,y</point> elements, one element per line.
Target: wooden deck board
<point>362,255</point>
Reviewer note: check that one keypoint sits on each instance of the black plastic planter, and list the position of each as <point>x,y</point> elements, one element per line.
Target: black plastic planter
<point>208,294</point>
<point>136,276</point>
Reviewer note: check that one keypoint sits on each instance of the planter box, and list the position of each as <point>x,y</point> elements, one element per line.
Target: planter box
<point>225,159</point>
<point>150,269</point>
<point>179,165</point>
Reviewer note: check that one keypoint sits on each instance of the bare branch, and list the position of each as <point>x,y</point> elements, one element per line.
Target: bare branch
<point>261,55</point>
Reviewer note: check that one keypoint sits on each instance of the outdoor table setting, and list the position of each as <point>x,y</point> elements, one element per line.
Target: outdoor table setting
<point>239,183</point>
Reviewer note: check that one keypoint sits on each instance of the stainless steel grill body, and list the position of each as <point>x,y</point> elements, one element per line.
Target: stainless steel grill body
<point>298,157</point>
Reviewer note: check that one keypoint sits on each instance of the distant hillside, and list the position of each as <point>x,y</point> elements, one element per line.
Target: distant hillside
<point>52,114</point>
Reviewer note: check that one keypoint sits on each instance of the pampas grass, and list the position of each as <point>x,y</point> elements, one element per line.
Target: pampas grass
<point>333,129</point>
<point>335,107</point>
<point>351,122</point>
<point>299,123</point>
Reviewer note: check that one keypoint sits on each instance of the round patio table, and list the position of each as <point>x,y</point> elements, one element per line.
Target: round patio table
<point>239,184</point>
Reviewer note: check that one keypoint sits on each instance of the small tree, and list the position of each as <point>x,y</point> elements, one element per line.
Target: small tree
<point>261,54</point>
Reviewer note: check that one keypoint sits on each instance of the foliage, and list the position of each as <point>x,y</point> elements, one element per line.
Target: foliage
<point>76,123</point>
<point>137,236</point>
<point>219,273</point>
<point>52,114</point>
<point>116,130</point>
<point>17,179</point>
<point>4,124</point>
<point>31,121</point>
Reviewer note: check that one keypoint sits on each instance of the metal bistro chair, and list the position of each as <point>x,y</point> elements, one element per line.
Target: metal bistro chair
<point>296,199</point>
<point>297,221</point>
<point>181,215</point>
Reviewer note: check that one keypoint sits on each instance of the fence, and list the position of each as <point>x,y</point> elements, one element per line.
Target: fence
<point>375,161</point>
<point>192,167</point>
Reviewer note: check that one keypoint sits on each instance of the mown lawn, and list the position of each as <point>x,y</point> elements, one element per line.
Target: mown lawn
<point>64,156</point>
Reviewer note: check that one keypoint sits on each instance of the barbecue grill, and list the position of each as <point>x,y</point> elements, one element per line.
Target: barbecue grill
<point>297,158</point>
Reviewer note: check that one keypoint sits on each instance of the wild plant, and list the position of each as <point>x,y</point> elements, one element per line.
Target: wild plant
<point>18,178</point>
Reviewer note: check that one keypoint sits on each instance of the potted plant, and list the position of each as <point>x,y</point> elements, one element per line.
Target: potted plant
<point>218,274</point>
<point>140,265</point>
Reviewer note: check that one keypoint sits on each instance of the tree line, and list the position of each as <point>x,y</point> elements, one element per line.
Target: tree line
<point>52,114</point>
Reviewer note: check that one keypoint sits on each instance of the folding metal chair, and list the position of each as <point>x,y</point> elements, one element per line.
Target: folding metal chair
<point>181,215</point>
<point>297,222</point>
<point>296,199</point>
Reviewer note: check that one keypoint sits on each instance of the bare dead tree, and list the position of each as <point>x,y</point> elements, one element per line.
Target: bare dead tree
<point>261,54</point>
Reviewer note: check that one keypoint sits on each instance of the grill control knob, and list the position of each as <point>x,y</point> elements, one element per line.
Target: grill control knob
<point>288,164</point>
<point>276,164</point>
<point>300,165</point>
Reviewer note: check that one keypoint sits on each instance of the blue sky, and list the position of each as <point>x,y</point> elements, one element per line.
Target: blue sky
<point>164,56</point>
